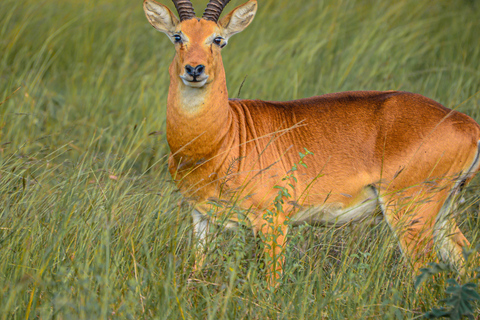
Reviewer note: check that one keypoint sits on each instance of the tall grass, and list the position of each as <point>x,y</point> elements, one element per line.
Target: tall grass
<point>91,225</point>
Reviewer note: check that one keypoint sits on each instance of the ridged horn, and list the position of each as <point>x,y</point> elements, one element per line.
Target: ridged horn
<point>185,9</point>
<point>214,9</point>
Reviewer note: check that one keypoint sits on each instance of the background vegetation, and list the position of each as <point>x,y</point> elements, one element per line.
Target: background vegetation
<point>92,227</point>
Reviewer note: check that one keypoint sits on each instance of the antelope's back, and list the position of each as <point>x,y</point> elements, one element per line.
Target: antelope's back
<point>358,137</point>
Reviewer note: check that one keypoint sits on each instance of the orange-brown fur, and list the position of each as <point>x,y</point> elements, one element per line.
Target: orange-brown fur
<point>410,149</point>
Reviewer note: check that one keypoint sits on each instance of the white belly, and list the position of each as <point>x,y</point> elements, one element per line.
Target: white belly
<point>334,213</point>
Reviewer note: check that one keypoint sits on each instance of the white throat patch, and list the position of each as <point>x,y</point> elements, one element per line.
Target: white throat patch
<point>192,99</point>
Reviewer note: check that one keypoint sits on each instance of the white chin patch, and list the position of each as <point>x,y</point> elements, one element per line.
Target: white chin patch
<point>194,84</point>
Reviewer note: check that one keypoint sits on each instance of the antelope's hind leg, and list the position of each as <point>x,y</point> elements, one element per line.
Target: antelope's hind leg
<point>411,214</point>
<point>449,240</point>
<point>423,221</point>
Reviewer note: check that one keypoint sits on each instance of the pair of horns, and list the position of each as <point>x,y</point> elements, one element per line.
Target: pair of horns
<point>212,12</point>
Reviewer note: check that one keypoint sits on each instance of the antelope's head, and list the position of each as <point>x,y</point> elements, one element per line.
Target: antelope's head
<point>198,42</point>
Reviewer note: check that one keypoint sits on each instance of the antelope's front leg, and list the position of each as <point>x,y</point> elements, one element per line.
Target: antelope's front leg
<point>274,232</point>
<point>200,232</point>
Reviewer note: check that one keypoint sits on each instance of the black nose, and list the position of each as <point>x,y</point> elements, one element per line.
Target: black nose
<point>195,71</point>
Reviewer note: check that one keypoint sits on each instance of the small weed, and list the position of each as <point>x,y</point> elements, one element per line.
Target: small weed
<point>460,298</point>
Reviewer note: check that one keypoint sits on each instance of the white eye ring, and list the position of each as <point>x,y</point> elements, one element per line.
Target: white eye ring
<point>177,38</point>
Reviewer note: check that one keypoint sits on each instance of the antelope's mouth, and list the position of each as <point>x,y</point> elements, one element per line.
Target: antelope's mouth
<point>194,82</point>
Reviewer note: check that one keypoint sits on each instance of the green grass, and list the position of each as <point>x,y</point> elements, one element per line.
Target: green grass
<point>91,225</point>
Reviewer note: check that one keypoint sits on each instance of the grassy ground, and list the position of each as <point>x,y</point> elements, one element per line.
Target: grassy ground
<point>92,227</point>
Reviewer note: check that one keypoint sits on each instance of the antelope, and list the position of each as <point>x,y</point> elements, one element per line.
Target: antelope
<point>395,154</point>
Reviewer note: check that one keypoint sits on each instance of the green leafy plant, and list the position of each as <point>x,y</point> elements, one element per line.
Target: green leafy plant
<point>283,194</point>
<point>459,302</point>
<point>461,298</point>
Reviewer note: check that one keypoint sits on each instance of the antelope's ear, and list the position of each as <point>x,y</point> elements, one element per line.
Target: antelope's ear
<point>160,17</point>
<point>238,19</point>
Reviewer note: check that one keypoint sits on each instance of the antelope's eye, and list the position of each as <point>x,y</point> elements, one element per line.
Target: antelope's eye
<point>177,38</point>
<point>219,41</point>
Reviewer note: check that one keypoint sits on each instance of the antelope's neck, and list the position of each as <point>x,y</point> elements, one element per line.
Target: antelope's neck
<point>198,119</point>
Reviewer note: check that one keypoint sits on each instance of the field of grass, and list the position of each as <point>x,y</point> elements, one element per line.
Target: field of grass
<point>91,225</point>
